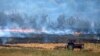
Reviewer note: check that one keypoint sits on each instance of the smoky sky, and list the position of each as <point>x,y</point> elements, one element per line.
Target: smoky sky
<point>81,8</point>
<point>49,15</point>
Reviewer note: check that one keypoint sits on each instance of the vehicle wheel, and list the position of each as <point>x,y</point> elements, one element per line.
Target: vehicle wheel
<point>70,47</point>
<point>82,47</point>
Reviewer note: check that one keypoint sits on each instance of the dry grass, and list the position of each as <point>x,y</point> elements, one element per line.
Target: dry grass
<point>87,46</point>
<point>89,50</point>
<point>35,52</point>
<point>40,46</point>
<point>92,47</point>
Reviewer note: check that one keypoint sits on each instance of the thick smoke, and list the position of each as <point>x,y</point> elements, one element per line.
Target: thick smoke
<point>48,16</point>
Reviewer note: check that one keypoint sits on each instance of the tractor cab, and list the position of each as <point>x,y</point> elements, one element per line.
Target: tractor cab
<point>72,44</point>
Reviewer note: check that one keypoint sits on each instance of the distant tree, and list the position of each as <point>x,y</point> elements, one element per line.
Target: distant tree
<point>78,23</point>
<point>38,21</point>
<point>3,19</point>
<point>52,25</point>
<point>1,41</point>
<point>82,24</point>
<point>33,22</point>
<point>17,18</point>
<point>97,25</point>
<point>44,19</point>
<point>71,22</point>
<point>61,21</point>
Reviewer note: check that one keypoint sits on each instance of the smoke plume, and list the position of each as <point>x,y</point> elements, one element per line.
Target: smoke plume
<point>22,17</point>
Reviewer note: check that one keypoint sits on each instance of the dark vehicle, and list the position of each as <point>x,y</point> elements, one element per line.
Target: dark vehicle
<point>72,44</point>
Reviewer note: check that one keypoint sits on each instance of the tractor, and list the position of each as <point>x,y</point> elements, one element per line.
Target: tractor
<point>72,44</point>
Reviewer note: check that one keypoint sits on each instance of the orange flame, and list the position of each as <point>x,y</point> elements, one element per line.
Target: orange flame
<point>17,30</point>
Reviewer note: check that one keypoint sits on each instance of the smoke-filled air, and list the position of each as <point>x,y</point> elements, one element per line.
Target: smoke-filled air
<point>25,17</point>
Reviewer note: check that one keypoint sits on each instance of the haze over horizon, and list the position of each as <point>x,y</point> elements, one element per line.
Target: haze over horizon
<point>49,16</point>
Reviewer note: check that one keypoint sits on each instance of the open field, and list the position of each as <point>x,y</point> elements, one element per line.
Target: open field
<point>87,46</point>
<point>31,50</point>
<point>48,46</point>
<point>35,52</point>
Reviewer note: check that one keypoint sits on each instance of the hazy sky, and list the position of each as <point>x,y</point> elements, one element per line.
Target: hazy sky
<point>81,8</point>
<point>85,9</point>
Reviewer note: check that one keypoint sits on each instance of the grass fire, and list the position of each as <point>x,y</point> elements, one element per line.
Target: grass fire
<point>49,27</point>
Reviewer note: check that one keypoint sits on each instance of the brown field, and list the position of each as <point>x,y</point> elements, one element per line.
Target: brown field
<point>92,47</point>
<point>40,46</point>
<point>87,46</point>
<point>48,49</point>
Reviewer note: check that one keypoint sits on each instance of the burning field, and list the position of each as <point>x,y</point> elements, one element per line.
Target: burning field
<point>42,27</point>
